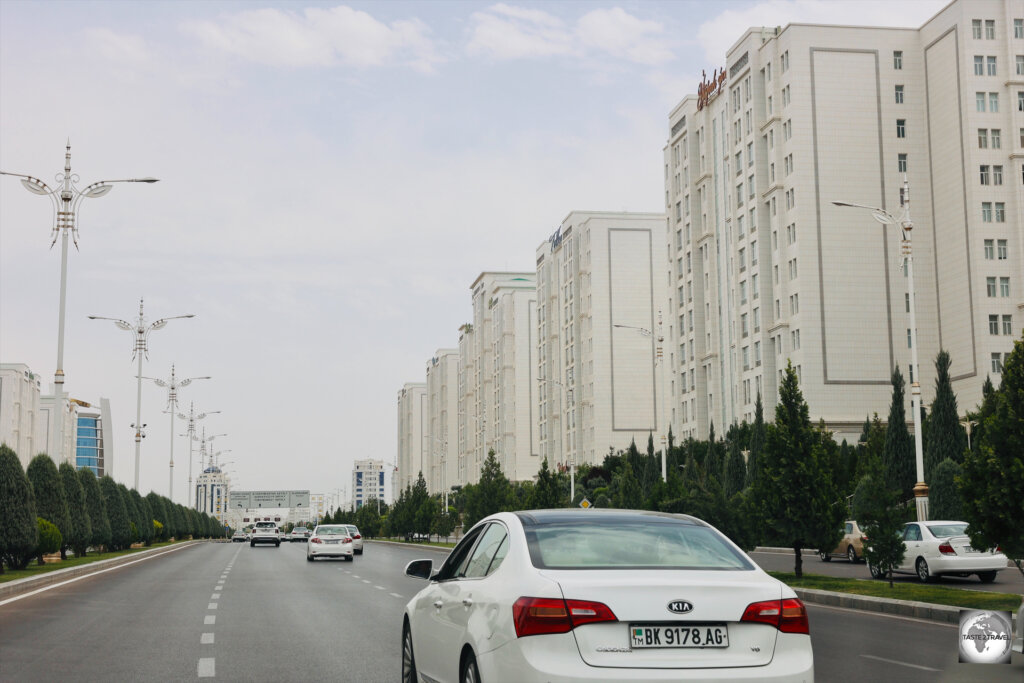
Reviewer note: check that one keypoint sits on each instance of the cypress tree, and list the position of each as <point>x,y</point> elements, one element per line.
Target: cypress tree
<point>145,519</point>
<point>546,493</point>
<point>945,437</point>
<point>628,495</point>
<point>97,507</point>
<point>120,525</point>
<point>898,458</point>
<point>133,512</point>
<point>51,503</point>
<point>156,507</point>
<point>943,493</point>
<point>735,471</point>
<point>757,434</point>
<point>795,490</point>
<point>19,532</point>
<point>81,527</point>
<point>493,493</point>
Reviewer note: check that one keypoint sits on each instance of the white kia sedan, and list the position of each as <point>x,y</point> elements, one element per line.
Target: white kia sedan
<point>601,595</point>
<point>329,540</point>
<point>942,548</point>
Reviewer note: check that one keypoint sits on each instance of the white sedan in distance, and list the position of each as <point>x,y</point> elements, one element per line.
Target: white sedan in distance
<point>357,538</point>
<point>942,548</point>
<point>580,596</point>
<point>329,540</point>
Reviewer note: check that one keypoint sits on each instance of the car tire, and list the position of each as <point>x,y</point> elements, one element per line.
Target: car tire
<point>987,577</point>
<point>470,673</point>
<point>409,674</point>
<point>875,572</point>
<point>824,557</point>
<point>309,558</point>
<point>252,544</point>
<point>923,573</point>
<point>278,544</point>
<point>359,552</point>
<point>851,554</point>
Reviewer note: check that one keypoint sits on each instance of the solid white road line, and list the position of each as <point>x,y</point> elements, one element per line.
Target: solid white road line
<point>212,605</point>
<point>87,576</point>
<point>893,661</point>
<point>210,619</point>
<point>207,667</point>
<point>206,639</point>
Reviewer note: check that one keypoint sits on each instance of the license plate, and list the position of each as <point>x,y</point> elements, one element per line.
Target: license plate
<point>331,542</point>
<point>678,635</point>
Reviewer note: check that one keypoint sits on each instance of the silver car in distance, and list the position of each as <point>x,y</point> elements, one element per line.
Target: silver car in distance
<point>601,595</point>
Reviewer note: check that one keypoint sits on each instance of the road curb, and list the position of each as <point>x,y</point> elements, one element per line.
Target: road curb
<point>867,603</point>
<point>423,546</point>
<point>18,586</point>
<point>785,551</point>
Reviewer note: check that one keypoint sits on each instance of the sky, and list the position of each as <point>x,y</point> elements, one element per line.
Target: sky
<point>333,178</point>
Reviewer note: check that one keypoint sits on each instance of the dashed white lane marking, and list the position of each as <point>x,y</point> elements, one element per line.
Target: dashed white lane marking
<point>215,596</point>
<point>893,661</point>
<point>210,619</point>
<point>355,576</point>
<point>206,639</point>
<point>381,588</point>
<point>212,605</point>
<point>366,581</point>
<point>395,595</point>
<point>206,667</point>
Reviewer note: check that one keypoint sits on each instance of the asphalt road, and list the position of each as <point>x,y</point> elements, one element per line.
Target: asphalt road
<point>235,613</point>
<point>1008,580</point>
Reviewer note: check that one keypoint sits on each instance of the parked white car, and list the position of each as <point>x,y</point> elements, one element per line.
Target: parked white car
<point>357,538</point>
<point>942,548</point>
<point>587,595</point>
<point>329,540</point>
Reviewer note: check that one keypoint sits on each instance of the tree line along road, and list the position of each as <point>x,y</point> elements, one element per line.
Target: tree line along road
<point>232,612</point>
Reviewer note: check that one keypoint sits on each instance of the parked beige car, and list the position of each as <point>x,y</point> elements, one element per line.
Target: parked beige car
<point>851,546</point>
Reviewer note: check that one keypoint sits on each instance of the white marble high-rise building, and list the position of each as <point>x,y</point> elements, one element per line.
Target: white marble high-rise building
<point>22,421</point>
<point>600,293</point>
<point>412,451</point>
<point>442,420</point>
<point>765,269</point>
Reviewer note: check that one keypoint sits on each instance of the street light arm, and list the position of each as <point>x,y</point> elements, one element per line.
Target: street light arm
<point>162,322</point>
<point>117,321</point>
<point>642,330</point>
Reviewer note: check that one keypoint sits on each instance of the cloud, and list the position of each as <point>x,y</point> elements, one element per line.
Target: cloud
<point>319,37</point>
<point>117,47</point>
<point>718,34</point>
<point>507,32</point>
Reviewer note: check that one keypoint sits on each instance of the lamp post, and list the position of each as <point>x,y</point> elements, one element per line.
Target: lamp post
<point>562,429</point>
<point>658,354</point>
<point>906,251</point>
<point>65,199</point>
<point>192,418</point>
<point>967,424</point>
<point>141,330</point>
<point>173,384</point>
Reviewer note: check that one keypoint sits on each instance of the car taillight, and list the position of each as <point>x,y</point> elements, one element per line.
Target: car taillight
<point>946,549</point>
<point>356,536</point>
<point>789,616</point>
<point>537,616</point>
<point>347,539</point>
<point>315,540</point>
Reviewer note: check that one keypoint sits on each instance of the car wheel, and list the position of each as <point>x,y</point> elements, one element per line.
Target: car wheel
<point>252,544</point>
<point>309,558</point>
<point>851,553</point>
<point>359,552</point>
<point>922,570</point>
<point>876,573</point>
<point>409,674</point>
<point>987,577</point>
<point>470,674</point>
<point>278,544</point>
<point>824,557</point>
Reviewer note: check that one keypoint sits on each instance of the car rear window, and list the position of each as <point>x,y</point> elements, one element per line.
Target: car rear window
<point>947,530</point>
<point>332,531</point>
<point>265,525</point>
<point>619,544</point>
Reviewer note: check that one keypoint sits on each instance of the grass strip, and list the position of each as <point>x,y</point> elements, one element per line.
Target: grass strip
<point>917,592</point>
<point>35,570</point>
<point>435,544</point>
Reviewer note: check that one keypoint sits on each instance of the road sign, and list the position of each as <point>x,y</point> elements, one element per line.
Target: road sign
<point>249,500</point>
<point>586,504</point>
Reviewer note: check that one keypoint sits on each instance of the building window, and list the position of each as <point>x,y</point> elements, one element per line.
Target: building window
<point>990,29</point>
<point>753,254</point>
<point>901,128</point>
<point>1018,28</point>
<point>983,138</point>
<point>795,339</point>
<point>997,141</point>
<point>910,339</point>
<point>744,325</point>
<point>979,65</point>
<point>794,304</point>
<point>990,63</point>
<point>1020,65</point>
<point>993,324</point>
<point>976,29</point>
<point>750,154</point>
<point>979,101</point>
<point>1001,244</point>
<point>990,250</point>
<point>787,129</point>
<point>1020,99</point>
<point>1007,324</point>
<point>792,269</point>
<point>997,363</point>
<point>997,175</point>
<point>901,163</point>
<point>1004,287</point>
<point>990,287</point>
<point>993,101</point>
<point>899,94</point>
<point>983,174</point>
<point>897,59</point>
<point>1000,212</point>
<point>785,61</point>
<point>986,212</point>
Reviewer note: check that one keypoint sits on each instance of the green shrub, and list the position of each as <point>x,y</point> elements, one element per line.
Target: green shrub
<point>49,539</point>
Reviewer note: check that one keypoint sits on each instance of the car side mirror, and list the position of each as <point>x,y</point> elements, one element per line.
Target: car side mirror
<point>419,569</point>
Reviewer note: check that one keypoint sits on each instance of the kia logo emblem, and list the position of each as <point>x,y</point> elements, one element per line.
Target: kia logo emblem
<point>680,606</point>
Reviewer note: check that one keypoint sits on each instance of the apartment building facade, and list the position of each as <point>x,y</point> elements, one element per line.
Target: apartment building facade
<point>600,294</point>
<point>766,270</point>
<point>442,420</point>
<point>412,414</point>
